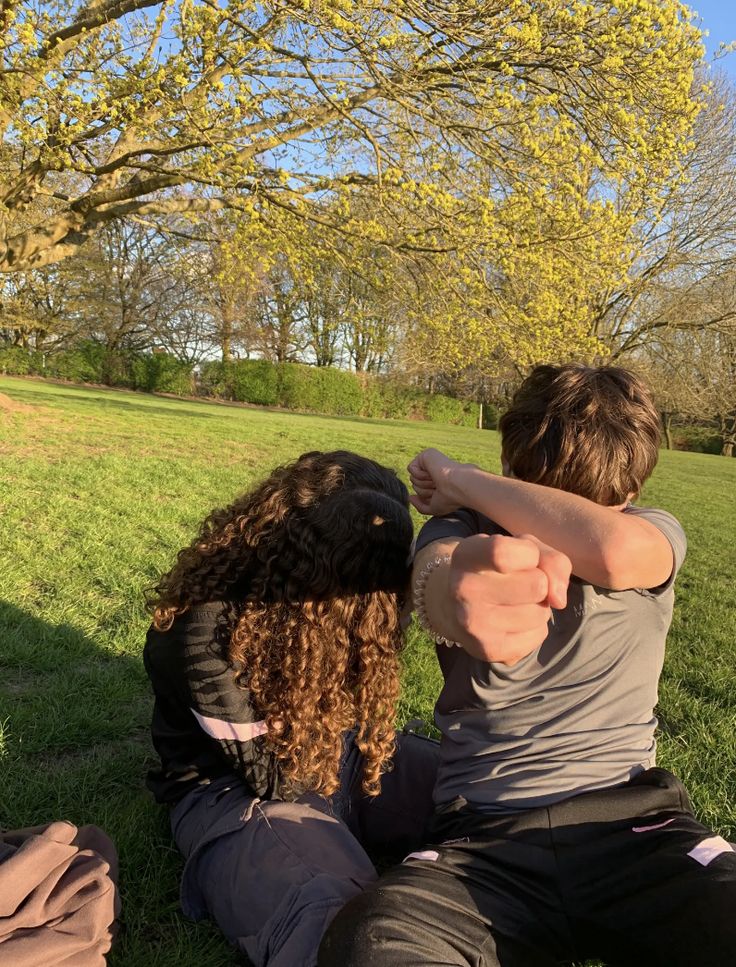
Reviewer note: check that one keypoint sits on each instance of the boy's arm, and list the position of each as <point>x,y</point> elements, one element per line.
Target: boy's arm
<point>607,548</point>
<point>491,594</point>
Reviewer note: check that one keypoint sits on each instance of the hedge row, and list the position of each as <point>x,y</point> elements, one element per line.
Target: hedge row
<point>697,439</point>
<point>90,362</point>
<point>330,391</point>
<point>292,386</point>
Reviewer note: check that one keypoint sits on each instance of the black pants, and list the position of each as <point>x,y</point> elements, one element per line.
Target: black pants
<point>626,875</point>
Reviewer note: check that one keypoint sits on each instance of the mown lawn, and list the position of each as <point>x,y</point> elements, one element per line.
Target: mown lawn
<point>99,489</point>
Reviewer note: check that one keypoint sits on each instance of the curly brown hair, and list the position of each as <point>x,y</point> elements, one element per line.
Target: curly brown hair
<point>313,564</point>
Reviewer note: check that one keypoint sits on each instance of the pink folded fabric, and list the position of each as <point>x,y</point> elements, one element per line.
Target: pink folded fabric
<point>58,896</point>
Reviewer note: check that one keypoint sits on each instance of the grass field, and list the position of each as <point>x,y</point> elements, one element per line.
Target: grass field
<point>99,489</point>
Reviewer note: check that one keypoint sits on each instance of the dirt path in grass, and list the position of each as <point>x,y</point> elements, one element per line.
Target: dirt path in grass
<point>8,405</point>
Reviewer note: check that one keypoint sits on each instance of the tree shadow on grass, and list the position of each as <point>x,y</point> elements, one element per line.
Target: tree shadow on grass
<point>144,406</point>
<point>74,744</point>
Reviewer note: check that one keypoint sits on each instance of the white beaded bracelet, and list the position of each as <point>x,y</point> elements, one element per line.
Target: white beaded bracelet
<point>420,588</point>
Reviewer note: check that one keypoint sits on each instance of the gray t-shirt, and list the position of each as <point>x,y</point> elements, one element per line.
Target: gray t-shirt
<point>574,715</point>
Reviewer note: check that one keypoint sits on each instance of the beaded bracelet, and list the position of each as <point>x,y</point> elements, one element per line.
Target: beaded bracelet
<point>420,588</point>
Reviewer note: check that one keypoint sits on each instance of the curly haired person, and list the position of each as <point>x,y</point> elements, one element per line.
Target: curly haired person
<point>556,838</point>
<point>274,659</point>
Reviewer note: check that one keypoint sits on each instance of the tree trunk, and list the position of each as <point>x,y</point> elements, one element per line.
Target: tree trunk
<point>226,331</point>
<point>728,432</point>
<point>667,427</point>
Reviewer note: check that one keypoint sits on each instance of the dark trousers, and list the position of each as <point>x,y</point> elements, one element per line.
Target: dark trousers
<point>272,874</point>
<point>626,875</point>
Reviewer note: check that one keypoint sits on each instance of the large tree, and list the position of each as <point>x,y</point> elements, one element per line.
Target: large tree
<point>693,375</point>
<point>680,274</point>
<point>112,108</point>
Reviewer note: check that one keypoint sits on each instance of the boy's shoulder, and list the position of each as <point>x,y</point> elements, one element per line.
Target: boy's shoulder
<point>653,513</point>
<point>668,525</point>
<point>665,522</point>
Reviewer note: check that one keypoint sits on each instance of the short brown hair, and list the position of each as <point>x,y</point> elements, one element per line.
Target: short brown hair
<point>593,431</point>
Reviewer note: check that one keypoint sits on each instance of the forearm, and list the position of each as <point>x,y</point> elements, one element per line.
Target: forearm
<point>606,547</point>
<point>437,601</point>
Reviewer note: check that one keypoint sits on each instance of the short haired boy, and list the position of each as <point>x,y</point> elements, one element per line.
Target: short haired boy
<point>555,837</point>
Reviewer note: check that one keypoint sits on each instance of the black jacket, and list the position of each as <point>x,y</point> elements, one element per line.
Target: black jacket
<point>204,725</point>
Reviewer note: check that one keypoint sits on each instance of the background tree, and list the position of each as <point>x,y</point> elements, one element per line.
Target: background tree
<point>720,394</point>
<point>228,285</point>
<point>373,316</point>
<point>37,308</point>
<point>126,286</point>
<point>110,109</point>
<point>666,362</point>
<point>683,251</point>
<point>325,308</point>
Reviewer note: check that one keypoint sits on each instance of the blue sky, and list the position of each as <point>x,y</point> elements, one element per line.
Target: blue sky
<point>719,18</point>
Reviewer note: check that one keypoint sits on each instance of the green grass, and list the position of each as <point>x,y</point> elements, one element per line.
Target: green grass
<point>100,489</point>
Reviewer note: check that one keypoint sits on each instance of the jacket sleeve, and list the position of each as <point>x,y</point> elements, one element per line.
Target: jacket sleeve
<point>204,724</point>
<point>220,707</point>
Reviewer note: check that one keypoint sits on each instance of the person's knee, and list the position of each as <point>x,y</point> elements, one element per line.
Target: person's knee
<point>377,927</point>
<point>412,917</point>
<point>291,938</point>
<point>351,939</point>
<point>322,843</point>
